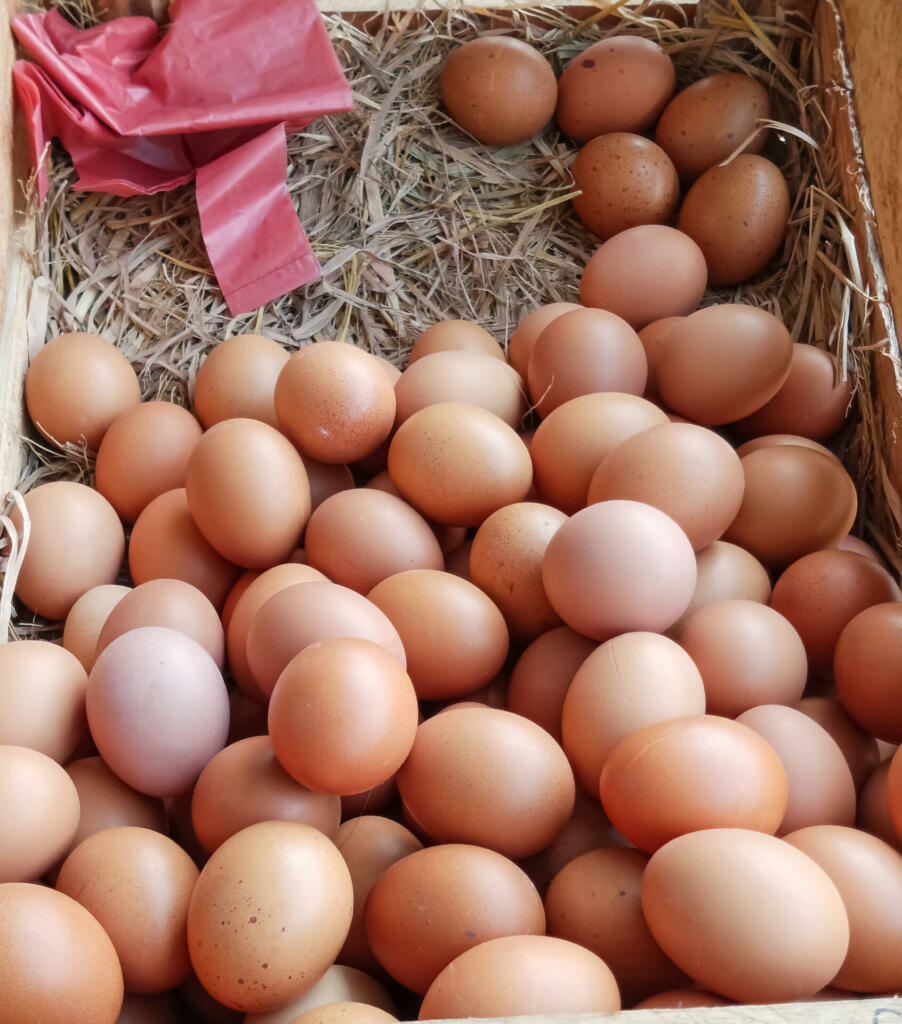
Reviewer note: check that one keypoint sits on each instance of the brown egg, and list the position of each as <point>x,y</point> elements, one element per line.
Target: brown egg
<point>499,89</point>
<point>326,479</point>
<point>458,463</point>
<point>76,543</point>
<point>874,814</point>
<point>745,914</point>
<point>454,335</point>
<point>710,119</point>
<point>252,948</point>
<point>644,274</point>
<point>360,537</point>
<point>725,572</point>
<point>619,84</point>
<point>737,214</point>
<point>369,845</point>
<point>822,592</point>
<point>582,352</point>
<point>723,362</point>
<point>523,340</point>
<point>795,501</point>
<point>165,543</point>
<point>859,547</point>
<point>252,526</point>
<point>335,402</point>
<point>630,682</point>
<point>821,789</point>
<point>144,453</point>
<point>886,749</point>
<point>812,402</point>
<point>76,386</point>
<point>506,562</point>
<point>244,784</point>
<point>237,592</point>
<point>162,1008</point>
<point>434,904</point>
<point>626,180</point>
<point>773,440</point>
<point>573,439</point>
<point>454,636</point>
<point>42,698</point>
<point>654,338</point>
<point>170,603</point>
<point>595,902</point>
<point>237,380</point>
<point>681,999</point>
<point>747,653</point>
<point>868,875</point>
<point>343,716</point>
<point>344,1013</point>
<point>522,974</point>
<point>246,717</point>
<point>338,985</point>
<point>59,966</point>
<point>86,619</point>
<point>306,613</point>
<point>866,667</point>
<point>617,567</point>
<point>457,562</point>
<point>157,708</point>
<point>689,472</point>
<point>542,676</point>
<point>489,777</point>
<point>137,884</point>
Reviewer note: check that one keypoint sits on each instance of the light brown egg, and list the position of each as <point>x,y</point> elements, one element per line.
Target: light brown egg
<point>42,698</point>
<point>619,84</point>
<point>582,352</point>
<point>573,439</point>
<point>237,380</point>
<point>506,562</point>
<point>709,119</point>
<point>344,1013</point>
<point>774,440</point>
<point>522,341</point>
<point>499,89</point>
<point>866,667</point>
<point>244,784</point>
<point>455,637</point>
<point>338,984</point>
<point>595,901</point>
<point>458,463</point>
<point>326,479</point>
<point>76,543</point>
<point>434,904</point>
<point>86,619</point>
<point>617,567</point>
<point>335,402</point>
<point>165,543</point>
<point>39,808</point>
<point>522,974</point>
<point>626,180</point>
<point>251,948</point>
<point>644,274</point>
<point>76,386</point>
<point>137,884</point>
<point>360,537</point>
<point>144,453</point>
<point>874,813</point>
<point>485,776</point>
<point>632,681</point>
<point>725,572</point>
<point>681,999</point>
<point>654,338</point>
<point>59,966</point>
<point>821,788</point>
<point>455,335</point>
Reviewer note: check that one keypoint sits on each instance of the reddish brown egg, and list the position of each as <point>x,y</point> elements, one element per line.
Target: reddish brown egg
<point>725,572</point>
<point>859,547</point>
<point>867,667</point>
<point>654,338</point>
<point>86,619</point>
<point>326,479</point>
<point>772,440</point>
<point>455,335</point>
<point>237,380</point>
<point>681,999</point>
<point>524,338</point>
<point>874,814</point>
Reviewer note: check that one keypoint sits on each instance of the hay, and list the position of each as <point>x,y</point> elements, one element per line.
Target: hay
<point>414,221</point>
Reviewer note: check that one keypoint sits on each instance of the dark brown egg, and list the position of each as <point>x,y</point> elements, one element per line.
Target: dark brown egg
<point>238,380</point>
<point>866,667</point>
<point>874,814</point>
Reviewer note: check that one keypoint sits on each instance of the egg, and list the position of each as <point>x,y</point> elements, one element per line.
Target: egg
<point>86,619</point>
<point>631,681</point>
<point>75,387</point>
<point>335,402</point>
<point>252,946</point>
<point>457,562</point>
<point>625,180</point>
<point>326,479</point>
<point>654,338</point>
<point>432,905</point>
<point>874,814</point>
<point>499,89</point>
<point>709,119</point>
<point>344,1013</point>
<point>237,380</point>
<point>644,274</point>
<point>76,543</point>
<point>370,801</point>
<point>582,352</point>
<point>452,336</point>
<point>858,748</point>
<point>775,440</point>
<point>695,772</point>
<point>143,454</point>
<point>522,341</point>
<point>725,572</point>
<point>338,984</point>
<point>859,547</point>
<point>522,974</point>
<point>58,963</point>
<point>681,999</point>
<point>619,84</point>
<point>866,667</point>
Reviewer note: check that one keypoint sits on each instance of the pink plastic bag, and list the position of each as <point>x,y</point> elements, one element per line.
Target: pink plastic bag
<point>211,101</point>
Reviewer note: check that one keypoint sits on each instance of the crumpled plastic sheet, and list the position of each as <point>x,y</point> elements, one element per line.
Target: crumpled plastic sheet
<point>212,101</point>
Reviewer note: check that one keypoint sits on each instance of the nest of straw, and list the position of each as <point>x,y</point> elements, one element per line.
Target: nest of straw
<point>414,221</point>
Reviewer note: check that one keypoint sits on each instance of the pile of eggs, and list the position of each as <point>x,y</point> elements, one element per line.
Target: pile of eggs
<point>503,685</point>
